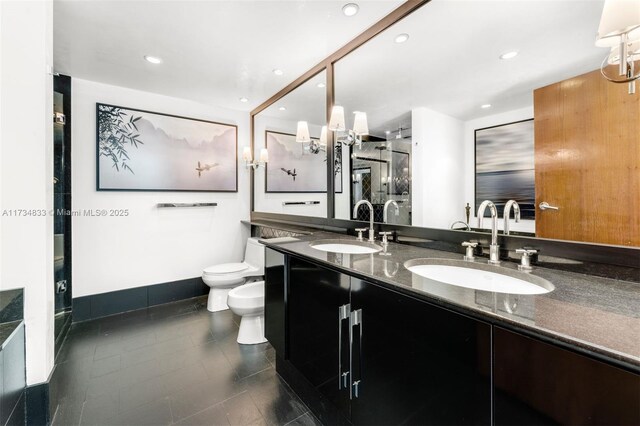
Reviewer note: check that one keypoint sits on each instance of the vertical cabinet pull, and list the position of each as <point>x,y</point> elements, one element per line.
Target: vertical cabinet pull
<point>344,312</point>
<point>355,320</point>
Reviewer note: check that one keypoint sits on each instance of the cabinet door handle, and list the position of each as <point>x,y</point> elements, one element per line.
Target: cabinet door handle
<point>355,320</point>
<point>344,312</point>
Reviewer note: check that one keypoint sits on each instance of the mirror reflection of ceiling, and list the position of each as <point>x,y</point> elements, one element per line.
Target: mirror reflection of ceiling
<point>213,51</point>
<point>451,61</point>
<point>305,103</point>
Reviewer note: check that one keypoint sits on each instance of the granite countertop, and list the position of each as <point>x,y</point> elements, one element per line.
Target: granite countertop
<point>600,316</point>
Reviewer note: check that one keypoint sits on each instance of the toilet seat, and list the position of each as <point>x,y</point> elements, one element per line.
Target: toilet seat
<point>223,277</point>
<point>225,268</point>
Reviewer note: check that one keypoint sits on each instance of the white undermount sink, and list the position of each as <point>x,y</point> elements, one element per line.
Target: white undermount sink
<point>479,276</point>
<point>345,246</point>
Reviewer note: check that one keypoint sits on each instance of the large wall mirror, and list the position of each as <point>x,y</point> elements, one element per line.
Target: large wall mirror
<point>293,131</point>
<point>466,101</point>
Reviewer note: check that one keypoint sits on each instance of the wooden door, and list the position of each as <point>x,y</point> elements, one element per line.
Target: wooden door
<point>587,157</point>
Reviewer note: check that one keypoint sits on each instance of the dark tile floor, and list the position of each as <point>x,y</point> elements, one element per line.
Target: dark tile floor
<point>170,364</point>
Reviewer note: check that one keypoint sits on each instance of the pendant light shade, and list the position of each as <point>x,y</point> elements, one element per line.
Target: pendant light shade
<point>323,136</point>
<point>619,17</point>
<point>336,123</point>
<point>302,134</point>
<point>360,126</point>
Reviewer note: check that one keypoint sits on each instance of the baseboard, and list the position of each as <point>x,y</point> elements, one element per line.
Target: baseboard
<point>37,404</point>
<point>116,302</point>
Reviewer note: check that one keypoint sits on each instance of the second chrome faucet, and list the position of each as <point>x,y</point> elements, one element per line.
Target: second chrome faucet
<point>494,248</point>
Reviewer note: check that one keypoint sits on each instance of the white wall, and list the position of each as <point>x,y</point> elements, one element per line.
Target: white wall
<point>150,245</point>
<point>437,165</point>
<point>469,160</point>
<point>272,202</point>
<point>26,168</point>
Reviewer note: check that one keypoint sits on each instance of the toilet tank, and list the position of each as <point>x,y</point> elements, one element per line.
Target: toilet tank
<point>254,254</point>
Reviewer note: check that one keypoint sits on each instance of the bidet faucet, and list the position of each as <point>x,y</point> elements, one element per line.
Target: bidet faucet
<point>386,206</point>
<point>494,248</point>
<point>507,213</point>
<point>355,214</point>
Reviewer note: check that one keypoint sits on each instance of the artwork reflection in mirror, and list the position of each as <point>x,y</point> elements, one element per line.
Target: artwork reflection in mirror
<point>294,181</point>
<point>582,160</point>
<point>505,167</point>
<point>295,166</point>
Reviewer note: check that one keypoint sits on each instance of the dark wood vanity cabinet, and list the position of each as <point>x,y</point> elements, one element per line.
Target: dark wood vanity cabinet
<point>318,340</point>
<point>275,300</point>
<point>538,383</point>
<point>372,356</point>
<point>416,363</point>
<point>385,358</point>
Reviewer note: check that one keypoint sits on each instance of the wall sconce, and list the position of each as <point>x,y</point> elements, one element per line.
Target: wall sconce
<point>360,126</point>
<point>246,156</point>
<point>620,30</point>
<point>303,136</point>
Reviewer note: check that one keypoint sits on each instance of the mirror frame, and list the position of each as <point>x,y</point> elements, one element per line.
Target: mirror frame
<point>589,252</point>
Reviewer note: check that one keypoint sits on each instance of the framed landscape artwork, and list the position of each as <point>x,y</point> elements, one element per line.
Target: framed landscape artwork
<point>148,151</point>
<point>505,166</point>
<point>291,167</point>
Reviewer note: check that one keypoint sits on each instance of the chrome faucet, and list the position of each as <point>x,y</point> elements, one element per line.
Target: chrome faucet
<point>494,248</point>
<point>507,213</point>
<point>355,214</point>
<point>386,206</point>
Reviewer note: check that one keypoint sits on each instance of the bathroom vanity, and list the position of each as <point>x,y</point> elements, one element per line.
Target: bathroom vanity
<point>365,341</point>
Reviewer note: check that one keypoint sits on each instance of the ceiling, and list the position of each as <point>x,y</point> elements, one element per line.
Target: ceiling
<point>451,61</point>
<point>214,52</point>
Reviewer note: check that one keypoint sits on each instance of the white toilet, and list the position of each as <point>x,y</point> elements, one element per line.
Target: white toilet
<point>248,302</point>
<point>222,278</point>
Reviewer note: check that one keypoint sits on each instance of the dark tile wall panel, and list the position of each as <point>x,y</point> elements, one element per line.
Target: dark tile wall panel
<point>115,302</point>
<point>173,291</point>
<point>37,404</point>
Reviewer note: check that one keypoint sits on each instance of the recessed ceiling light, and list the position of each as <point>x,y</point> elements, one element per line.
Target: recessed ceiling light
<point>277,71</point>
<point>153,59</point>
<point>387,132</point>
<point>320,85</point>
<point>509,55</point>
<point>282,108</point>
<point>350,9</point>
<point>485,106</point>
<point>243,99</point>
<point>401,38</point>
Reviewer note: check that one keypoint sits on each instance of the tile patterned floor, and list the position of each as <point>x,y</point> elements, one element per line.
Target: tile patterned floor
<point>171,364</point>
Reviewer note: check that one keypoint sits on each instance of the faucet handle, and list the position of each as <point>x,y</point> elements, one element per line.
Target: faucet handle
<point>469,254</point>
<point>360,231</point>
<point>385,236</point>
<point>525,261</point>
<point>385,243</point>
<point>526,252</point>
